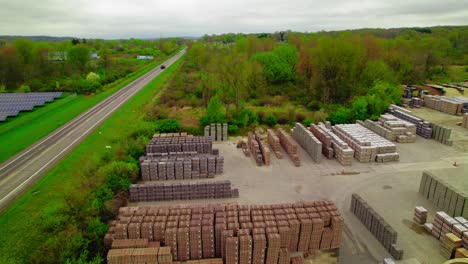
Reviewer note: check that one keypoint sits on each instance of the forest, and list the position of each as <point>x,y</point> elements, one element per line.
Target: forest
<point>74,65</point>
<point>347,75</point>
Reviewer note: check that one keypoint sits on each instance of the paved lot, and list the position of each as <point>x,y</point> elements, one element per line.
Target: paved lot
<point>392,189</point>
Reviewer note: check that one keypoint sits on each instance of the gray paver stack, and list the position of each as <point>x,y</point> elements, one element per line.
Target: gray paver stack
<point>392,128</point>
<point>217,132</point>
<point>442,134</point>
<point>446,196</point>
<point>449,105</point>
<point>367,145</point>
<point>465,120</point>
<point>381,230</point>
<point>175,142</point>
<point>308,141</point>
<point>13,103</point>
<point>423,128</point>
<point>341,150</point>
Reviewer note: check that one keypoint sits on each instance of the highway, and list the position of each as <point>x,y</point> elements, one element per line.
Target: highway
<point>22,170</point>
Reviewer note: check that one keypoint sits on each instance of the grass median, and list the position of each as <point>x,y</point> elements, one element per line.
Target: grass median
<point>22,224</point>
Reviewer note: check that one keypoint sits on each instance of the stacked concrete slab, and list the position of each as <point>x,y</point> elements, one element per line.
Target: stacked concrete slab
<point>263,148</point>
<point>308,141</point>
<point>444,224</point>
<point>341,150</point>
<point>367,145</point>
<point>181,191</point>
<point>217,132</point>
<point>175,142</point>
<point>254,147</point>
<point>325,139</point>
<point>392,128</point>
<point>181,167</point>
<point>289,145</point>
<point>274,143</point>
<point>442,134</point>
<point>451,197</point>
<point>465,121</point>
<point>237,233</point>
<point>443,104</point>
<point>381,230</point>
<point>423,128</point>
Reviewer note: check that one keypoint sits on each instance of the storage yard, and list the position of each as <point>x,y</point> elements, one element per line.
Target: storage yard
<point>384,172</point>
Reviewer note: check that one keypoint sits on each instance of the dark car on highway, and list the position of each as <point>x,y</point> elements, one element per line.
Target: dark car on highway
<point>163,67</point>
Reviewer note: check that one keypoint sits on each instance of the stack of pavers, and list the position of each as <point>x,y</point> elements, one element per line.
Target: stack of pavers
<point>181,191</point>
<point>217,132</point>
<point>443,104</point>
<point>367,145</point>
<point>392,128</point>
<point>274,143</point>
<point>423,128</point>
<point>465,121</point>
<point>442,134</point>
<point>449,243</point>
<point>289,145</point>
<point>416,102</point>
<point>256,234</point>
<point>420,215</point>
<point>325,139</point>
<point>179,142</point>
<point>254,147</point>
<point>451,199</point>
<point>180,166</point>
<point>384,233</point>
<point>445,224</point>
<point>308,141</point>
<point>263,148</point>
<point>341,150</point>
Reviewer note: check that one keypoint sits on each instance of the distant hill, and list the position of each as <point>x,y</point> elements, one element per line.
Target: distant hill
<point>36,38</point>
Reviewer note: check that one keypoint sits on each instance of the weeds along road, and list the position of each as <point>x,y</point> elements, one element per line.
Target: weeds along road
<point>21,171</point>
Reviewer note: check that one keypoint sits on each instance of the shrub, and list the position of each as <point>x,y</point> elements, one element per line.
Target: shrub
<point>214,112</point>
<point>270,120</point>
<point>308,121</point>
<point>233,129</point>
<point>300,117</point>
<point>313,105</point>
<point>168,126</point>
<point>283,118</point>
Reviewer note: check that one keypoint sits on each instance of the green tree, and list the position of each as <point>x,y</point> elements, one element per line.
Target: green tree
<point>214,112</point>
<point>79,56</point>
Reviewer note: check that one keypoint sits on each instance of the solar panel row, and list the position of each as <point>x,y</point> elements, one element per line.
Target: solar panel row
<point>12,103</point>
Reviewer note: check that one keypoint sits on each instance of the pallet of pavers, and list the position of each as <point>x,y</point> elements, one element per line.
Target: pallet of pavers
<point>449,198</point>
<point>263,148</point>
<point>381,230</point>
<point>274,143</point>
<point>250,234</point>
<point>322,136</point>
<point>217,132</point>
<point>443,104</point>
<point>175,142</point>
<point>254,147</point>
<point>367,145</point>
<point>181,191</point>
<point>442,134</point>
<point>289,145</point>
<point>392,128</point>
<point>341,150</point>
<point>308,141</point>
<point>465,120</point>
<point>423,128</point>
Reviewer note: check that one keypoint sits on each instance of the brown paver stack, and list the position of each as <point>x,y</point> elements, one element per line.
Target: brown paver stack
<point>297,260</point>
<point>263,148</point>
<point>444,224</point>
<point>283,256</point>
<point>367,145</point>
<point>133,255</point>
<point>274,143</point>
<point>444,104</point>
<point>164,255</point>
<point>308,141</point>
<point>255,234</point>
<point>384,233</point>
<point>175,142</point>
<point>449,244</point>
<point>289,145</point>
<point>461,253</point>
<point>254,147</point>
<point>181,191</point>
<point>420,215</point>
<point>129,243</point>
<point>327,149</point>
<point>341,150</point>
<point>392,128</point>
<point>465,120</point>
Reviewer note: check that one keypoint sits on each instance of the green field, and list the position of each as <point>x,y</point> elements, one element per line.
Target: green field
<point>19,225</point>
<point>29,127</point>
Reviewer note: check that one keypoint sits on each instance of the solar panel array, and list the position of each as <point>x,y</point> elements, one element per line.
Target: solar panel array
<point>13,103</point>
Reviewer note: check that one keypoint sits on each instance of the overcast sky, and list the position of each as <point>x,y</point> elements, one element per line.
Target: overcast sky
<point>152,18</point>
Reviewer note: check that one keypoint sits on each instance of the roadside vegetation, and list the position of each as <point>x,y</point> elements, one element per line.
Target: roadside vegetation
<point>63,218</point>
<point>81,66</point>
<point>286,77</point>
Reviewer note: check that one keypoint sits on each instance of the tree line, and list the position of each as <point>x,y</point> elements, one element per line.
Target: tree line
<point>27,65</point>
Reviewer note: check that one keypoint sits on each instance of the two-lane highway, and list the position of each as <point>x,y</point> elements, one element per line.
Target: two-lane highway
<point>21,171</point>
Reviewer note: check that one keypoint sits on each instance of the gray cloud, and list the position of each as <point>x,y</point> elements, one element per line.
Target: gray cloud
<point>146,18</point>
